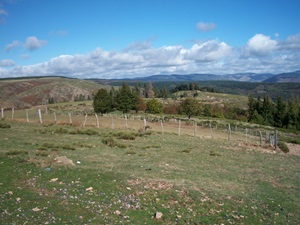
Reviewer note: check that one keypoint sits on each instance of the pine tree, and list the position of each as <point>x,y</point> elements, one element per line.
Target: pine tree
<point>102,102</point>
<point>126,99</point>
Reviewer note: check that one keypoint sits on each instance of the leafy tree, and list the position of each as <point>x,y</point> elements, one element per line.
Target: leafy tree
<point>141,104</point>
<point>102,102</point>
<point>190,107</point>
<point>154,106</point>
<point>126,99</point>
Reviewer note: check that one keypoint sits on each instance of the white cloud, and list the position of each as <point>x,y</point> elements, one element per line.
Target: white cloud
<point>3,12</point>
<point>12,45</point>
<point>7,62</point>
<point>202,26</point>
<point>260,45</point>
<point>32,43</point>
<point>260,54</point>
<point>208,51</point>
<point>292,42</point>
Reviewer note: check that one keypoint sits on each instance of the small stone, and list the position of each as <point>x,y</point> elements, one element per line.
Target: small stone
<point>117,212</point>
<point>89,189</point>
<point>158,215</point>
<point>36,209</point>
<point>10,193</point>
<point>53,180</point>
<point>128,188</point>
<point>18,199</point>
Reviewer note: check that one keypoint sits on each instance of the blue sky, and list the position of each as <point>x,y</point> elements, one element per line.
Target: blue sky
<point>130,38</point>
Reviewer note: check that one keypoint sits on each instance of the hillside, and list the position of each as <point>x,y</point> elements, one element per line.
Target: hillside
<point>26,92</point>
<point>293,77</point>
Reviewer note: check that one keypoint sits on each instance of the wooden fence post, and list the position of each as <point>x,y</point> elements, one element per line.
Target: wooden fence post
<point>276,140</point>
<point>40,115</point>
<point>55,117</point>
<point>12,112</point>
<point>27,118</point>
<point>2,113</point>
<point>179,125</point>
<point>246,135</point>
<point>97,120</point>
<point>70,118</point>
<point>229,133</point>
<point>85,119</point>
<point>145,123</point>
<point>260,138</point>
<point>162,126</point>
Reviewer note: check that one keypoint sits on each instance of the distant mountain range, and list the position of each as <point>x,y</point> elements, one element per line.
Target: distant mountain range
<point>248,77</point>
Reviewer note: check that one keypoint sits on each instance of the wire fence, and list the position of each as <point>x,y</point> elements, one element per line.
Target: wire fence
<point>180,126</point>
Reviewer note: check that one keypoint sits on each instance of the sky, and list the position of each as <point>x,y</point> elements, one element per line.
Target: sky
<point>136,38</point>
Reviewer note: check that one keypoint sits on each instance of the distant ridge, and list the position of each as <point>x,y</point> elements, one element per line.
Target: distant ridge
<point>293,77</point>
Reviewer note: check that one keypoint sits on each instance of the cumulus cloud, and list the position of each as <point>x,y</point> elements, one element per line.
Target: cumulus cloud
<point>7,62</point>
<point>259,55</point>
<point>12,45</point>
<point>33,43</point>
<point>208,51</point>
<point>292,42</point>
<point>260,45</point>
<point>202,26</point>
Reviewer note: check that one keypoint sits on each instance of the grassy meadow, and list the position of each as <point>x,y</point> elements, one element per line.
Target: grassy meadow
<point>69,174</point>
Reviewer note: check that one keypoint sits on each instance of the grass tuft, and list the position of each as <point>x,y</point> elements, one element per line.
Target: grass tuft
<point>4,126</point>
<point>16,152</point>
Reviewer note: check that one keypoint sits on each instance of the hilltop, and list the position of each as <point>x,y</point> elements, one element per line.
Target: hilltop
<point>26,92</point>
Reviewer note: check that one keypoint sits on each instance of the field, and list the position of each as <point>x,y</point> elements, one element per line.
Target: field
<point>70,174</point>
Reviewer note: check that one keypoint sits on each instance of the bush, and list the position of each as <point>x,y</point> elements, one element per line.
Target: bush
<point>17,152</point>
<point>4,125</point>
<point>283,147</point>
<point>109,142</point>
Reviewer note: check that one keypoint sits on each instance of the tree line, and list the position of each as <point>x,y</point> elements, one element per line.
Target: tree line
<point>284,114</point>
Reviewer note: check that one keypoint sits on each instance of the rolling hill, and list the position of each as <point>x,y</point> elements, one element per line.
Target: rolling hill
<point>26,92</point>
<point>293,77</point>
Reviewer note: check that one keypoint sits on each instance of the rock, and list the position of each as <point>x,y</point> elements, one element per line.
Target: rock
<point>36,209</point>
<point>53,180</point>
<point>10,193</point>
<point>117,212</point>
<point>63,160</point>
<point>158,215</point>
<point>89,189</point>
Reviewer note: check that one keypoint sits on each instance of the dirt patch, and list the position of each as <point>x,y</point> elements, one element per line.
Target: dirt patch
<point>251,147</point>
<point>294,149</point>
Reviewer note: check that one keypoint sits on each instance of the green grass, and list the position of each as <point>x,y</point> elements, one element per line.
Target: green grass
<point>190,180</point>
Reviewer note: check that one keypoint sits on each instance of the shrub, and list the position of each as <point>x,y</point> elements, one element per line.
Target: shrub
<point>4,125</point>
<point>68,147</point>
<point>111,142</point>
<point>61,131</point>
<point>41,153</point>
<point>17,152</point>
<point>125,136</point>
<point>283,147</point>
